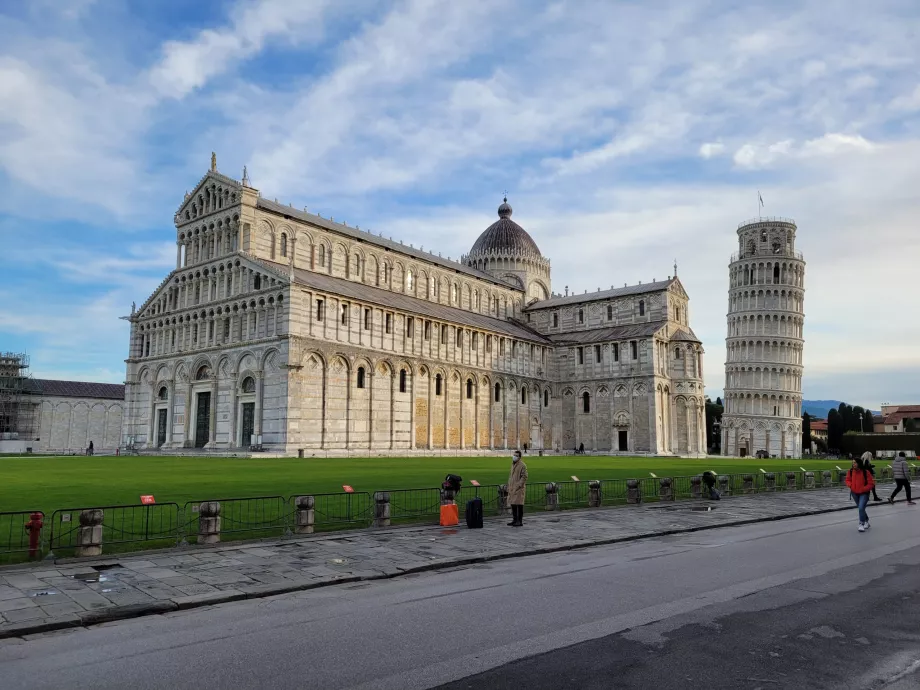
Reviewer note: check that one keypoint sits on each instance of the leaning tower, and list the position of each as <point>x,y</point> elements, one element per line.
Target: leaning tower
<point>763,367</point>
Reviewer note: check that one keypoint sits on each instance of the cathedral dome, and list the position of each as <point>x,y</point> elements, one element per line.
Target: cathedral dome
<point>505,236</point>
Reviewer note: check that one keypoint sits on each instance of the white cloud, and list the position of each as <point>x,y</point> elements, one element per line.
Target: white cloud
<point>908,102</point>
<point>712,149</point>
<point>831,144</point>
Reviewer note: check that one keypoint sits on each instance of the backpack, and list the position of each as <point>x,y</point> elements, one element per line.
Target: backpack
<point>452,482</point>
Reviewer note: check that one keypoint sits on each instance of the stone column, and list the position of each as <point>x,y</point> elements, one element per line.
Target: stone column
<point>790,481</point>
<point>826,478</point>
<point>696,487</point>
<point>552,496</point>
<point>89,533</point>
<point>747,483</point>
<point>371,375</point>
<point>595,496</point>
<point>769,481</point>
<point>477,393</point>
<point>809,480</point>
<point>410,389</point>
<point>305,514</point>
<point>430,415</point>
<point>257,421</point>
<point>633,492</point>
<point>209,522</point>
<point>665,489</point>
<point>381,509</point>
<point>212,422</point>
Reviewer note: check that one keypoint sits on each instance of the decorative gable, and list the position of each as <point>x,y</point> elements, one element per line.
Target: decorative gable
<point>213,194</point>
<point>677,288</point>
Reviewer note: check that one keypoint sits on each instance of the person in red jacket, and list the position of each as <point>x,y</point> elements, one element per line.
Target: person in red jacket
<point>861,482</point>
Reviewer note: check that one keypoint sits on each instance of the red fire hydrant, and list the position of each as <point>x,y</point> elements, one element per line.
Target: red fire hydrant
<point>34,528</point>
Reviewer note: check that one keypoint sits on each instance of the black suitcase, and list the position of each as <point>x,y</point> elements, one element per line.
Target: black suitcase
<point>474,513</point>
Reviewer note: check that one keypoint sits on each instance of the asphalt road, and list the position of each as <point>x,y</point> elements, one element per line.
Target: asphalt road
<point>803,603</point>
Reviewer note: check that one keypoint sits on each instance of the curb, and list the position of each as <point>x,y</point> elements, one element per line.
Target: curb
<point>117,613</point>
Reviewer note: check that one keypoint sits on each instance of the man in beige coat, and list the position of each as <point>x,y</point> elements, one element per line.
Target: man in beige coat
<point>517,489</point>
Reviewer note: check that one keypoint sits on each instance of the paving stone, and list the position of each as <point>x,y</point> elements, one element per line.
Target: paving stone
<point>192,590</point>
<point>62,609</point>
<point>16,604</point>
<point>20,615</point>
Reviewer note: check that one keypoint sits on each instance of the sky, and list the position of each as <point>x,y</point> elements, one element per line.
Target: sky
<point>627,135</point>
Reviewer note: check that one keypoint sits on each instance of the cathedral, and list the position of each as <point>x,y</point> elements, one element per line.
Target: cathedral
<point>285,332</point>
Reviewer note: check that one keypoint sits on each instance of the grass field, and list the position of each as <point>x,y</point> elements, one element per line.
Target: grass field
<point>49,483</point>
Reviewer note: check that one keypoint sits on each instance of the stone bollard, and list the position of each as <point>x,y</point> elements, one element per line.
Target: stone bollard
<point>305,514</point>
<point>594,494</point>
<point>552,496</point>
<point>790,481</point>
<point>809,480</point>
<point>842,478</point>
<point>747,483</point>
<point>633,492</point>
<point>448,497</point>
<point>381,509</point>
<point>769,481</point>
<point>696,487</point>
<point>724,484</point>
<point>665,489</point>
<point>826,479</point>
<point>886,473</point>
<point>209,522</point>
<point>89,534</point>
<point>503,499</point>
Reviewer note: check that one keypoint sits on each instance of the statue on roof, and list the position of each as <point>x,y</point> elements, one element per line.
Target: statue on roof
<point>213,162</point>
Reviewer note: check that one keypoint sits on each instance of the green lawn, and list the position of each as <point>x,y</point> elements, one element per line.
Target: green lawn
<point>49,483</point>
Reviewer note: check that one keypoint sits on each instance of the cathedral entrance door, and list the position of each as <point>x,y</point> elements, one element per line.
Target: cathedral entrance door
<point>161,427</point>
<point>249,414</point>
<point>623,439</point>
<point>203,420</point>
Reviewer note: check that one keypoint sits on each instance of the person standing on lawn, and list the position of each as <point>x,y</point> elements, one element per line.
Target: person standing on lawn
<point>901,474</point>
<point>517,489</point>
<point>861,482</point>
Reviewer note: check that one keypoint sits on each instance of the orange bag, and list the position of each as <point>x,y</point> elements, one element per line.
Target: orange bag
<point>450,515</point>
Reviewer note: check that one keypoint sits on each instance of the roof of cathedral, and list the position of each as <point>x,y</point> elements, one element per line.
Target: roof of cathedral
<point>395,300</point>
<point>378,240</point>
<point>504,236</point>
<point>599,335</point>
<point>642,288</point>
<point>78,389</point>
<point>685,334</point>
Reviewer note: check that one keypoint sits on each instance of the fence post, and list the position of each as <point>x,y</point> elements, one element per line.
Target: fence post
<point>552,496</point>
<point>826,478</point>
<point>381,509</point>
<point>305,514</point>
<point>747,483</point>
<point>725,487</point>
<point>769,481</point>
<point>665,490</point>
<point>503,499</point>
<point>594,494</point>
<point>209,522</point>
<point>790,481</point>
<point>809,480</point>
<point>696,487</point>
<point>633,492</point>
<point>89,534</point>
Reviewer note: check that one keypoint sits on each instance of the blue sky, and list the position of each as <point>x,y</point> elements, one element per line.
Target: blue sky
<point>627,134</point>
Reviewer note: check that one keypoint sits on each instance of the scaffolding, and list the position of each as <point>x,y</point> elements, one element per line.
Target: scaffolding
<point>20,398</point>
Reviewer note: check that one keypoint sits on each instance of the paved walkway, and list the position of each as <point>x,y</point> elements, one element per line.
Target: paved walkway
<point>71,593</point>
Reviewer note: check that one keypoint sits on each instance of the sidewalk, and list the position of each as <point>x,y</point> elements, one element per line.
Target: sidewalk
<point>72,593</point>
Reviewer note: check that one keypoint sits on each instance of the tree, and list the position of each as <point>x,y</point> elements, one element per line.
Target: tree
<point>719,402</point>
<point>713,414</point>
<point>834,429</point>
<point>845,412</point>
<point>806,432</point>
<point>868,422</point>
<point>856,421</point>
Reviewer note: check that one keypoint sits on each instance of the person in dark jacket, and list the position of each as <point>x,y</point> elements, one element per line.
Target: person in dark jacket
<point>901,474</point>
<point>860,481</point>
<point>867,463</point>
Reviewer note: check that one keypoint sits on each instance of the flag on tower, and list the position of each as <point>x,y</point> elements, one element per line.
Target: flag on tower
<point>760,198</point>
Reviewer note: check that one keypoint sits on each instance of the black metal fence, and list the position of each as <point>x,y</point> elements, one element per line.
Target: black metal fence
<point>15,537</point>
<point>414,504</point>
<point>129,524</point>
<point>240,518</point>
<point>340,510</point>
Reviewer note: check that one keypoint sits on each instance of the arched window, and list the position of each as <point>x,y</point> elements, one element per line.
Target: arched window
<point>585,402</point>
<point>776,273</point>
<point>498,392</point>
<point>360,377</point>
<point>257,282</point>
<point>610,312</point>
<point>357,266</point>
<point>203,374</point>
<point>546,398</point>
<point>677,314</point>
<point>763,235</point>
<point>322,255</point>
<point>410,282</point>
<point>454,294</point>
<point>469,389</point>
<point>437,385</point>
<point>249,385</point>
<point>386,273</point>
<point>555,320</point>
<point>523,395</point>
<point>677,353</point>
<point>163,394</point>
<point>402,380</point>
<point>581,316</point>
<point>641,307</point>
<point>283,244</point>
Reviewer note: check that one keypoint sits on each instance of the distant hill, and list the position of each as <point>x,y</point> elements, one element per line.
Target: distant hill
<point>819,408</point>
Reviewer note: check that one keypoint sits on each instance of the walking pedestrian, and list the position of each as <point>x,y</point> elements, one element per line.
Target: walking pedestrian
<point>860,481</point>
<point>901,475</point>
<point>867,462</point>
<point>90,451</point>
<point>517,489</point>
